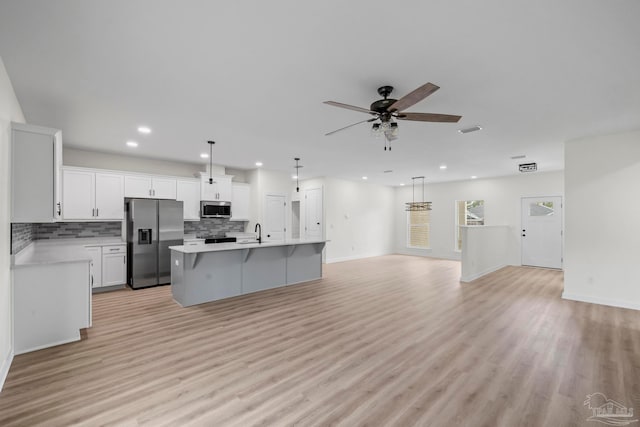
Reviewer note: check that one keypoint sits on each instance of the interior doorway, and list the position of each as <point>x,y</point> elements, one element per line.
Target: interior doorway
<point>542,231</point>
<point>275,217</point>
<point>313,213</point>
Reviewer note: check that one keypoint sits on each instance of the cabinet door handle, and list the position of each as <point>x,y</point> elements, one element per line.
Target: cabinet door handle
<point>114,249</point>
<point>150,192</point>
<point>93,212</point>
<point>97,212</point>
<point>59,209</point>
<point>92,280</point>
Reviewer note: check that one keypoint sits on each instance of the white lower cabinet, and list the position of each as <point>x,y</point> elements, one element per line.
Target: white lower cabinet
<point>108,265</point>
<point>95,268</point>
<point>114,265</point>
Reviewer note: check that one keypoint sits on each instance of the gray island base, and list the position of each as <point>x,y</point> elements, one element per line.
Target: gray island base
<point>207,273</point>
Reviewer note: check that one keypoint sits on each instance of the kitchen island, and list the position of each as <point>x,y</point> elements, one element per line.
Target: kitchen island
<point>204,273</point>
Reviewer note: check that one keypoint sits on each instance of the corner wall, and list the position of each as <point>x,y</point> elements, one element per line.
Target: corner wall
<point>9,111</point>
<point>501,206</point>
<point>602,252</point>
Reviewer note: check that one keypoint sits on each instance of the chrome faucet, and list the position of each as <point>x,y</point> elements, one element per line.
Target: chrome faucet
<point>258,228</point>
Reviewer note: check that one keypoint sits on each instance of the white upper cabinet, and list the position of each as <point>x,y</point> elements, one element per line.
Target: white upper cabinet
<point>109,196</point>
<point>164,188</point>
<point>89,195</point>
<point>36,159</point>
<point>240,202</point>
<point>148,187</point>
<point>79,195</point>
<point>220,189</point>
<point>137,186</point>
<point>188,192</point>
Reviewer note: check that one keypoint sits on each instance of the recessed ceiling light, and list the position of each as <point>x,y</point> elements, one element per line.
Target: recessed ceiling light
<point>473,177</point>
<point>364,177</point>
<point>401,184</point>
<point>258,164</point>
<point>471,129</point>
<point>204,155</point>
<point>294,176</point>
<point>443,167</point>
<point>144,129</point>
<point>132,144</point>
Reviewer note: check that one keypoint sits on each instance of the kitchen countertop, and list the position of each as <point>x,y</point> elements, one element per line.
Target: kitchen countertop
<point>215,247</point>
<point>60,251</point>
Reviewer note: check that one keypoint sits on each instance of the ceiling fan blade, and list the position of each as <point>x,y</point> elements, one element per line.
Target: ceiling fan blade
<point>429,117</point>
<point>349,107</point>
<point>414,97</point>
<point>346,127</point>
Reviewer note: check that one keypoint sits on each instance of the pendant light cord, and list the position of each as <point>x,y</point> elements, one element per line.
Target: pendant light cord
<point>211,161</point>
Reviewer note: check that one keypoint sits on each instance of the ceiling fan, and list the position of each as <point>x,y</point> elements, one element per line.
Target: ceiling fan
<point>387,110</point>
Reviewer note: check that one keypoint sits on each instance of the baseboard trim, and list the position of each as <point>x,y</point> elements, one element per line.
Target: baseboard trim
<point>601,301</point>
<point>473,277</point>
<point>4,369</point>
<point>352,258</point>
<point>75,338</point>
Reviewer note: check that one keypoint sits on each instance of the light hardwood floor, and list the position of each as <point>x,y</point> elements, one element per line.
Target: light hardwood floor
<point>393,340</point>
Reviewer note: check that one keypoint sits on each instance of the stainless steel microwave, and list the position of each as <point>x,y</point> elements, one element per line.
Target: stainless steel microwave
<point>215,209</point>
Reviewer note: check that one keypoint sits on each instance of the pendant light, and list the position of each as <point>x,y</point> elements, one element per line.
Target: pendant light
<point>211,161</point>
<point>414,206</point>
<point>297,168</point>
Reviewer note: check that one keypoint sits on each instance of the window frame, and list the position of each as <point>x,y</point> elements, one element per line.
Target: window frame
<point>457,225</point>
<point>408,232</point>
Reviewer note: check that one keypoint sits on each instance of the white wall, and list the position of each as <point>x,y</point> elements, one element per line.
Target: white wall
<point>501,206</point>
<point>263,182</point>
<point>95,159</point>
<point>9,111</point>
<point>358,218</point>
<point>602,211</point>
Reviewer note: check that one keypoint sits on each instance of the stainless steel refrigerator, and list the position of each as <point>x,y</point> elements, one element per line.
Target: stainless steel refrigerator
<point>152,226</point>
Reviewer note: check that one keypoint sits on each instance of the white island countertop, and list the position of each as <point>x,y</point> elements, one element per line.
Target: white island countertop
<point>215,247</point>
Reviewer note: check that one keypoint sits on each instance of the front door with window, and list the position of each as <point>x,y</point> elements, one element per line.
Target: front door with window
<point>542,231</point>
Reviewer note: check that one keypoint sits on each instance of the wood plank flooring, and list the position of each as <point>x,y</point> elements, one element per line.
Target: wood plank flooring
<point>393,340</point>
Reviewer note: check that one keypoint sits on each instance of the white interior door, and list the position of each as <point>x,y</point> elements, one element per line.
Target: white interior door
<point>274,218</point>
<point>313,213</point>
<point>542,231</point>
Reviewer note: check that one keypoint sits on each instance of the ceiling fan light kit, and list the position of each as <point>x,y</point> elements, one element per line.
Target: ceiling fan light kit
<point>387,110</point>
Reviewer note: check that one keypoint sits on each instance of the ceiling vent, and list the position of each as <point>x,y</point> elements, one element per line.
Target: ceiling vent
<point>388,171</point>
<point>469,130</point>
<point>521,156</point>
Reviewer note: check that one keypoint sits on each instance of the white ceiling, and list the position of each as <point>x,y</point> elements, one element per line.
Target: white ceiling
<point>252,75</point>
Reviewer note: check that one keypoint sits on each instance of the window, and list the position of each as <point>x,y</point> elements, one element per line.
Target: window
<point>418,229</point>
<point>468,212</point>
<point>541,209</point>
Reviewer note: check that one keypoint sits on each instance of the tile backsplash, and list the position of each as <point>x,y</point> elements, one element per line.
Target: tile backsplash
<point>213,226</point>
<point>73,230</point>
<point>21,236</point>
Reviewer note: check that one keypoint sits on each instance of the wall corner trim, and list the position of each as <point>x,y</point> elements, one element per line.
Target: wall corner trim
<point>4,369</point>
<point>472,277</point>
<point>601,301</point>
